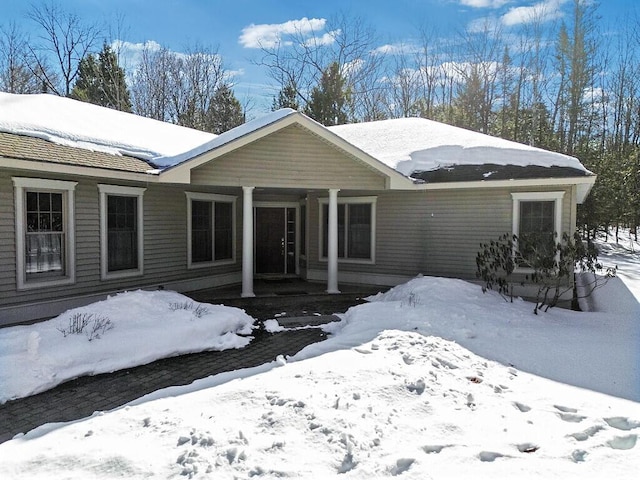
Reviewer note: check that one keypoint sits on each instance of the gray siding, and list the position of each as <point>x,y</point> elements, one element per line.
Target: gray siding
<point>290,158</point>
<point>165,243</point>
<point>433,232</point>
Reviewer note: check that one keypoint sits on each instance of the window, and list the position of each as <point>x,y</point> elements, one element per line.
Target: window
<point>537,218</point>
<point>356,228</point>
<point>45,232</point>
<point>211,227</point>
<point>121,231</point>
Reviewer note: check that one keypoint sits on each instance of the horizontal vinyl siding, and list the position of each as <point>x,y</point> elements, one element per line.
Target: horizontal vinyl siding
<point>433,232</point>
<point>7,238</point>
<point>400,233</point>
<point>165,243</point>
<point>290,158</point>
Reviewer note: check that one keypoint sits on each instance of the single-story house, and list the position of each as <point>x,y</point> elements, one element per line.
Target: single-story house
<point>95,201</point>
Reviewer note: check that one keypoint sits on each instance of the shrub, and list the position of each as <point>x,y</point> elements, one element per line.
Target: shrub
<point>92,325</point>
<point>198,310</point>
<point>550,269</point>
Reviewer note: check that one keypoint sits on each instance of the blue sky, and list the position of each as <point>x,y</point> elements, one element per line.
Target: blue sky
<point>235,27</point>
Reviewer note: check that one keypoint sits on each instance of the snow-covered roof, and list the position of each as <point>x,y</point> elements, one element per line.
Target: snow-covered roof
<point>78,124</point>
<point>411,145</point>
<point>225,137</point>
<point>407,145</point>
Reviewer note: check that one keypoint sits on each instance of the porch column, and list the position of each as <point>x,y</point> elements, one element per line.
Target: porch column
<point>332,246</point>
<point>247,242</point>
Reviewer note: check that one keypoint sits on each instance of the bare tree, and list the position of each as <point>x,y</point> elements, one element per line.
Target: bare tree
<point>404,84</point>
<point>196,76</point>
<point>305,54</point>
<point>178,87</point>
<point>64,40</point>
<point>15,75</point>
<point>151,84</point>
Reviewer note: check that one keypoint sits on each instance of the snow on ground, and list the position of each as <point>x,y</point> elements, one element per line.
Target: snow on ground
<point>432,379</point>
<point>146,326</point>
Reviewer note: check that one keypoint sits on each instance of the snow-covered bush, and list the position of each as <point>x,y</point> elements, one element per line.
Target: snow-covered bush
<point>92,325</point>
<point>197,309</point>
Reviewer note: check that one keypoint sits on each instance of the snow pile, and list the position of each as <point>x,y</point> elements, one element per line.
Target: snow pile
<point>146,326</point>
<point>402,404</point>
<point>407,385</point>
<point>591,350</point>
<point>416,144</point>
<point>82,125</point>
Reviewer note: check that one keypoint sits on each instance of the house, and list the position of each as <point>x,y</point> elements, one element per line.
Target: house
<point>94,201</point>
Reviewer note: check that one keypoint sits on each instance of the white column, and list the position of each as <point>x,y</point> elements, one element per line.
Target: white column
<point>332,247</point>
<point>247,242</point>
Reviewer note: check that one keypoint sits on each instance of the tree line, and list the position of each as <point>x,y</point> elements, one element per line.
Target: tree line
<point>571,86</point>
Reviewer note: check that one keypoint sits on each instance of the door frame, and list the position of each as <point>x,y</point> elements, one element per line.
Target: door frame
<point>283,206</point>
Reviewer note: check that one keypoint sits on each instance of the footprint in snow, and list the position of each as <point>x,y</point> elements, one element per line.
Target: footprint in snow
<point>489,456</point>
<point>571,417</point>
<point>578,455</point>
<point>565,409</point>
<point>417,387</point>
<point>586,434</point>
<point>433,448</point>
<point>401,466</point>
<point>622,423</point>
<point>623,443</point>
<point>522,407</point>
<point>527,447</point>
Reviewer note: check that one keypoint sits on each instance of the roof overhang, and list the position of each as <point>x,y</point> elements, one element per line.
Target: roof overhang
<point>79,170</point>
<point>583,184</point>
<point>181,173</point>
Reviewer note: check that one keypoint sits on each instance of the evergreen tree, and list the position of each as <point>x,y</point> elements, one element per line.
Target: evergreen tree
<point>101,81</point>
<point>330,100</point>
<point>287,98</point>
<point>225,111</point>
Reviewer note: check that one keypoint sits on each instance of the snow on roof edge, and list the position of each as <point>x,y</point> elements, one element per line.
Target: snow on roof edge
<point>166,163</point>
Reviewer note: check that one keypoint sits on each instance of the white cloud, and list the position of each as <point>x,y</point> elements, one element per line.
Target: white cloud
<point>130,54</point>
<point>270,35</point>
<point>544,11</point>
<point>484,3</point>
<point>397,49</point>
<point>326,39</point>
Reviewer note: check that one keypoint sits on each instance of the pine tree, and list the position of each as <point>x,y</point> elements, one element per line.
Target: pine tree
<point>331,99</point>
<point>287,98</point>
<point>225,111</point>
<point>101,81</point>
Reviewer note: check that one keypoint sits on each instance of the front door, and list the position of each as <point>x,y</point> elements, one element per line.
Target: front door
<point>275,240</point>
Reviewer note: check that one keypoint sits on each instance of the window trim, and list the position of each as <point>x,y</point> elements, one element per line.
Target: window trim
<point>517,197</point>
<point>21,185</point>
<point>371,200</point>
<point>118,190</point>
<point>211,197</point>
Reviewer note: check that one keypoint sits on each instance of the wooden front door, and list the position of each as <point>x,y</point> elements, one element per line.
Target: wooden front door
<point>275,233</point>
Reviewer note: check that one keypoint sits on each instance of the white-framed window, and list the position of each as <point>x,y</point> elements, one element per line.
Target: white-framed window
<point>45,232</point>
<point>211,229</point>
<point>356,229</point>
<point>537,219</point>
<point>121,231</point>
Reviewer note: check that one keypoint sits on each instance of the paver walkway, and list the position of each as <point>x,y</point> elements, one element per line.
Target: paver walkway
<point>81,397</point>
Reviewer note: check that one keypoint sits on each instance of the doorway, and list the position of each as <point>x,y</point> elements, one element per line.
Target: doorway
<point>275,240</point>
